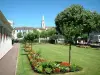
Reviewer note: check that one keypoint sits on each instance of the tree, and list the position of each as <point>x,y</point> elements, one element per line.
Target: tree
<point>37,34</point>
<point>30,37</point>
<point>69,23</point>
<point>76,21</point>
<point>43,34</point>
<point>96,22</point>
<point>19,35</point>
<point>51,32</point>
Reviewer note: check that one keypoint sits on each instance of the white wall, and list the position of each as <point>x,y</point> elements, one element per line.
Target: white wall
<point>15,33</point>
<point>5,46</point>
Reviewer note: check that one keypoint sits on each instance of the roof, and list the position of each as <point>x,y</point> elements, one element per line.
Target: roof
<point>5,22</point>
<point>3,19</point>
<point>50,27</point>
<point>23,28</point>
<point>30,28</point>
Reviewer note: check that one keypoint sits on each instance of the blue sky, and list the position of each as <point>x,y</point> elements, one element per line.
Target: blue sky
<point>29,12</point>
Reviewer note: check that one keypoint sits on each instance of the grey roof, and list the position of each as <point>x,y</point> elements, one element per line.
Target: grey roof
<point>29,28</point>
<point>23,28</point>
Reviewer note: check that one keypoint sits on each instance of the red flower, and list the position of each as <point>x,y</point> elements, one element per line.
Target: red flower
<point>64,64</point>
<point>57,70</point>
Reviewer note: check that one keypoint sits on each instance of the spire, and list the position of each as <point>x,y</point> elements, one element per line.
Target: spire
<point>42,17</point>
<point>43,23</point>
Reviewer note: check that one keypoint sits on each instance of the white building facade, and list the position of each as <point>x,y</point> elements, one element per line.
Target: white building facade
<point>5,35</point>
<point>23,30</point>
<point>94,37</point>
<point>30,29</point>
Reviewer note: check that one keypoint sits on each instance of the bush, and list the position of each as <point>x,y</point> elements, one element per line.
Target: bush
<point>39,69</point>
<point>48,70</point>
<point>64,69</point>
<point>74,68</point>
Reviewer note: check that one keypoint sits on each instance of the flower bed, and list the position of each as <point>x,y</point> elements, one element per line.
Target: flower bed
<point>40,65</point>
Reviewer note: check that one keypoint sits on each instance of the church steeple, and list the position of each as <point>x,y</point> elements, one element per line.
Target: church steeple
<point>43,23</point>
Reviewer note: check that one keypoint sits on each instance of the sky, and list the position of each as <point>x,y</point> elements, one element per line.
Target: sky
<point>30,12</point>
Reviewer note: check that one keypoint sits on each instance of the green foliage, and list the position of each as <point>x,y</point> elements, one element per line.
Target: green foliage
<point>48,70</point>
<point>48,33</point>
<point>64,69</point>
<point>96,21</point>
<point>39,69</point>
<point>49,64</point>
<point>45,64</point>
<point>30,37</point>
<point>43,34</point>
<point>19,35</point>
<point>85,36</point>
<point>51,32</point>
<point>39,53</point>
<point>74,68</point>
<point>36,33</point>
<point>76,20</point>
<point>69,21</point>
<point>53,38</point>
<point>25,38</point>
<point>52,64</point>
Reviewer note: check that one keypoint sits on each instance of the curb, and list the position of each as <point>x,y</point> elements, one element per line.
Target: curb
<point>17,59</point>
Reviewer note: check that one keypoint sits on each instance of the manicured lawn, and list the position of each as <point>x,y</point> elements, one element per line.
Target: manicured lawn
<point>89,58</point>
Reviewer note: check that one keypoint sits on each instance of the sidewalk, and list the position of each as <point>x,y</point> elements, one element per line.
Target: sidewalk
<point>8,62</point>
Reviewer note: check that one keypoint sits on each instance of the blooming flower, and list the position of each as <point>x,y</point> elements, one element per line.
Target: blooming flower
<point>64,64</point>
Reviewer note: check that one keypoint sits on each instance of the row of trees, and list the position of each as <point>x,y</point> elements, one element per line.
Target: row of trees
<point>75,21</point>
<point>31,36</point>
<point>42,34</point>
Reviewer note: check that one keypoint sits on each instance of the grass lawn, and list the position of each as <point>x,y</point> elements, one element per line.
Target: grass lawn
<point>89,58</point>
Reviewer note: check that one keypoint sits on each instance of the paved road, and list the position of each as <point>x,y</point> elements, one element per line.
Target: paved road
<point>8,62</point>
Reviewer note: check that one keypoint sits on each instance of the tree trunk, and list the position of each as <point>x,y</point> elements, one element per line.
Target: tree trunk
<point>75,39</point>
<point>70,53</point>
<point>39,39</point>
<point>88,39</point>
<point>55,41</point>
<point>46,39</point>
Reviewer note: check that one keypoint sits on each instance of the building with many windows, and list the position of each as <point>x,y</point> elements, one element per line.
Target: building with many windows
<point>5,35</point>
<point>23,30</point>
<point>30,29</point>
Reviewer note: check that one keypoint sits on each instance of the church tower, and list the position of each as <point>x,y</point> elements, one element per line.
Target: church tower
<point>43,23</point>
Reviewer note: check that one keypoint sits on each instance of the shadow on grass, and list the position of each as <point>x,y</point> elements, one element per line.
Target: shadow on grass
<point>24,54</point>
